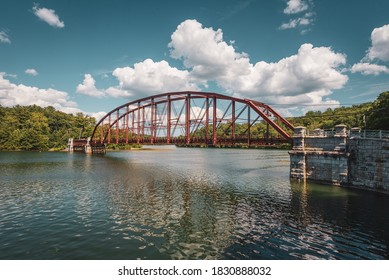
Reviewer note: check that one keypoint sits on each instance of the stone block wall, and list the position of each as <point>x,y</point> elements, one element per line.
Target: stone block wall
<point>369,163</point>
<point>327,167</point>
<point>340,160</point>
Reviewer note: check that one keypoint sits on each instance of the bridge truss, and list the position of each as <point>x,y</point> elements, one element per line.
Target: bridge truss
<point>192,118</point>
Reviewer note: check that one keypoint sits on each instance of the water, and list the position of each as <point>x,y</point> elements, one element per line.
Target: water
<point>181,204</point>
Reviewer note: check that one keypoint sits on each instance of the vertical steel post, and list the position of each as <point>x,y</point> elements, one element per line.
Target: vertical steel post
<point>169,108</point>
<point>233,123</point>
<point>132,126</point>
<point>267,129</point>
<point>155,121</point>
<point>117,127</point>
<point>187,119</point>
<point>109,129</point>
<point>152,122</point>
<point>102,132</point>
<point>138,137</point>
<point>143,123</point>
<point>214,134</point>
<point>206,120</point>
<point>126,124</point>
<point>248,126</point>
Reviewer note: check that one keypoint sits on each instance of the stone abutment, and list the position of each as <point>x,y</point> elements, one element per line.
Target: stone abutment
<point>352,158</point>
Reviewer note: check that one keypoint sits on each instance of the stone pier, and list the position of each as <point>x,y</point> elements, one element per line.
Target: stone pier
<point>85,146</point>
<point>341,157</point>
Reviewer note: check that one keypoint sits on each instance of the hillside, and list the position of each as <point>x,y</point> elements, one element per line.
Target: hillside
<point>372,116</point>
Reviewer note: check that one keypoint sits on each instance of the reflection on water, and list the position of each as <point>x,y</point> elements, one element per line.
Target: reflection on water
<point>181,204</point>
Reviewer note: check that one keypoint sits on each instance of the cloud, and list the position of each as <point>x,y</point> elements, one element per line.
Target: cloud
<point>97,115</point>
<point>49,16</point>
<point>117,92</point>
<point>379,44</point>
<point>379,51</point>
<point>312,72</point>
<point>295,6</point>
<point>31,72</point>
<point>294,23</point>
<point>18,94</point>
<point>4,38</point>
<point>205,53</point>
<point>307,77</point>
<point>369,69</point>
<point>88,87</point>
<point>149,77</point>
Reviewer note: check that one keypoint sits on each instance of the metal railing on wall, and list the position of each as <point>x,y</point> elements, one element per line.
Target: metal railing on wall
<point>354,132</point>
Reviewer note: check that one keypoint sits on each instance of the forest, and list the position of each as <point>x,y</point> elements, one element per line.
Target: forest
<point>42,129</point>
<point>371,116</point>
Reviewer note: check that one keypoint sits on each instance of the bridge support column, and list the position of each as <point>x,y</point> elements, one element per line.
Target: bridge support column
<point>298,155</point>
<point>70,145</point>
<point>88,148</point>
<point>318,157</point>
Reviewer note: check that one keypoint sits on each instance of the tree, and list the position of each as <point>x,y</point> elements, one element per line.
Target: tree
<point>379,114</point>
<point>36,128</point>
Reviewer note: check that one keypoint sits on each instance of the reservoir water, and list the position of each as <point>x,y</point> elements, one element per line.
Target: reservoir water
<point>181,203</point>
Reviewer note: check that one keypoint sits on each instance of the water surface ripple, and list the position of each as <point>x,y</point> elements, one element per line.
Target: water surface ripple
<point>181,203</point>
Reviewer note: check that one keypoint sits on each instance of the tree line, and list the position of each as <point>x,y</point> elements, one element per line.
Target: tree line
<point>40,129</point>
<point>371,116</point>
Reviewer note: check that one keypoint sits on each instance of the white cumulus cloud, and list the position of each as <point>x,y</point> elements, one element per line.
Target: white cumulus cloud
<point>379,44</point>
<point>307,77</point>
<point>4,38</point>
<point>149,77</point>
<point>312,72</point>
<point>379,51</point>
<point>31,72</point>
<point>97,115</point>
<point>205,53</point>
<point>369,69</point>
<point>295,6</point>
<point>88,87</point>
<point>49,16</point>
<point>18,94</point>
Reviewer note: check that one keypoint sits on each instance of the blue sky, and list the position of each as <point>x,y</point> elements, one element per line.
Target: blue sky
<point>92,56</point>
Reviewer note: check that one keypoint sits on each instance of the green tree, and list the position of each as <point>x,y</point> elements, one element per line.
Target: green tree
<point>379,114</point>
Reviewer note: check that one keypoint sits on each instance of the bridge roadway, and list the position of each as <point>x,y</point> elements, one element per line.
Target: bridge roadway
<point>192,118</point>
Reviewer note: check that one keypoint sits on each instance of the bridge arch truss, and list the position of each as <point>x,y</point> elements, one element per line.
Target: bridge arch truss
<point>192,118</point>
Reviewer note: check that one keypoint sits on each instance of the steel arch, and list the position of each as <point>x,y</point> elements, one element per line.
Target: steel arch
<point>176,117</point>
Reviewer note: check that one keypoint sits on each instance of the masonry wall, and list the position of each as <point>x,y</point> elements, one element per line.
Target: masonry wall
<point>339,160</point>
<point>324,167</point>
<point>369,163</point>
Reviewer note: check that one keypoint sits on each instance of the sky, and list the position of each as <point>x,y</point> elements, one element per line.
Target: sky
<point>92,56</point>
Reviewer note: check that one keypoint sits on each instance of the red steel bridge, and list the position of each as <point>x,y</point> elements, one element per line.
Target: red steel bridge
<point>192,118</point>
